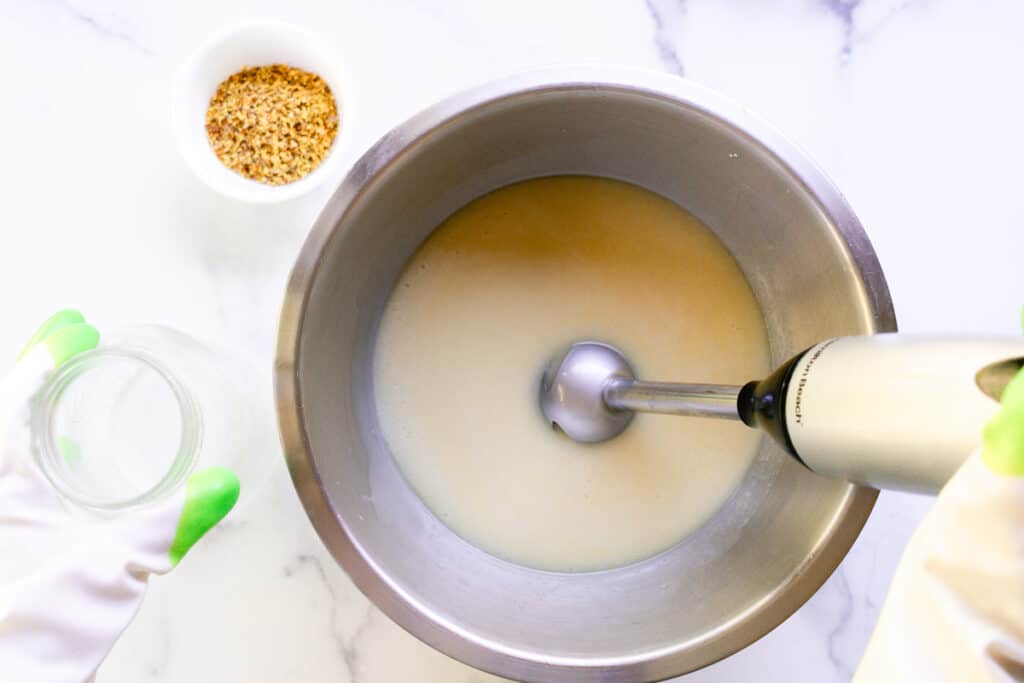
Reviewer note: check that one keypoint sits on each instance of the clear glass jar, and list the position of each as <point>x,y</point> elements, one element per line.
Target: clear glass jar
<point>126,423</point>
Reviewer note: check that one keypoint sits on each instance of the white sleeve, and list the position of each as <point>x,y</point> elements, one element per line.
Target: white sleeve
<point>955,609</point>
<point>58,623</point>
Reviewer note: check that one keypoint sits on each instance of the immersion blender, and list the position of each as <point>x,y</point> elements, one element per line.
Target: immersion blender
<point>890,411</point>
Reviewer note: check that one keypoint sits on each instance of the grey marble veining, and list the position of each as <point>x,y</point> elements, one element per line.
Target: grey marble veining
<point>665,15</point>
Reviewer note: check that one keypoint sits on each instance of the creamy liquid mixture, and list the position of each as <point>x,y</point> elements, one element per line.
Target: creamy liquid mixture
<point>500,288</point>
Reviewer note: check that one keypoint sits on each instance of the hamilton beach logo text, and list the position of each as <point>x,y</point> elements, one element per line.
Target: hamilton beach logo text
<point>803,379</point>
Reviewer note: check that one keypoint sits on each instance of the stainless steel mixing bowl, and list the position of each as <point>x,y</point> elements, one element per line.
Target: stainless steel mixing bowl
<point>775,541</point>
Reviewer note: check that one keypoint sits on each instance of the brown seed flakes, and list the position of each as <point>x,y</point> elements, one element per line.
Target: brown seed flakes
<point>274,124</point>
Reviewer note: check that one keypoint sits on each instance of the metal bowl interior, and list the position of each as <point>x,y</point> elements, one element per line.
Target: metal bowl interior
<point>766,551</point>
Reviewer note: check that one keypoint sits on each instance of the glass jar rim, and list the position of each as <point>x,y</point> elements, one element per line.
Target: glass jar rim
<point>46,445</point>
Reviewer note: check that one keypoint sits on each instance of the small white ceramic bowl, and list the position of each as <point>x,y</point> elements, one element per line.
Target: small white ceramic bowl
<point>258,43</point>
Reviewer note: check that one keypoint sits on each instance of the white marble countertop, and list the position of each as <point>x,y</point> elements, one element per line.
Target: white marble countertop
<point>915,109</point>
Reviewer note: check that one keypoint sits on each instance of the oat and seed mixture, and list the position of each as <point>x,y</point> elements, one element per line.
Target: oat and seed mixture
<point>273,124</point>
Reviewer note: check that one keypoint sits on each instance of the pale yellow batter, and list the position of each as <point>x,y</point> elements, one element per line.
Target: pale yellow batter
<point>501,287</point>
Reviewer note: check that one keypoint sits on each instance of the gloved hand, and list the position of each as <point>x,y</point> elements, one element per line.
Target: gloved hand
<point>60,618</point>
<point>955,610</point>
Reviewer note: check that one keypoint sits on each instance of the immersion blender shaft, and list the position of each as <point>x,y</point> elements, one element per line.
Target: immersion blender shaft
<point>697,400</point>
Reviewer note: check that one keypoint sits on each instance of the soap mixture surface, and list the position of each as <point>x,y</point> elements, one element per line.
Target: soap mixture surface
<point>500,288</point>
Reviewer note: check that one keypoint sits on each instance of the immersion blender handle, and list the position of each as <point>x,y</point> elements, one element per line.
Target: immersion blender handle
<point>891,411</point>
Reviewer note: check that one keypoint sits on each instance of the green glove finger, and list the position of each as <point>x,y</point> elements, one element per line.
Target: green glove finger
<point>60,319</point>
<point>209,496</point>
<point>71,340</point>
<point>70,450</point>
<point>1004,434</point>
<point>64,334</point>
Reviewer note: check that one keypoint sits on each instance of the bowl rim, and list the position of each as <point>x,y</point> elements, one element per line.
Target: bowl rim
<point>438,631</point>
<point>259,193</point>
